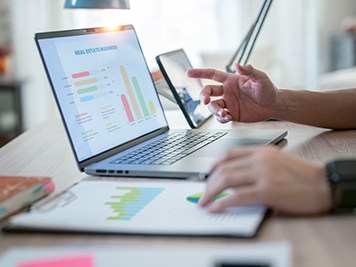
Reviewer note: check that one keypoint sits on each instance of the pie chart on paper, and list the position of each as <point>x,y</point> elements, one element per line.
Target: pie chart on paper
<point>194,198</point>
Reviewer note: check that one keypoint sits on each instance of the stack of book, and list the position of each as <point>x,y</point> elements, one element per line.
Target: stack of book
<point>17,192</point>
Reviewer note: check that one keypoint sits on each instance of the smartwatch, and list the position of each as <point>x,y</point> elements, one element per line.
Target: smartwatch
<point>342,179</point>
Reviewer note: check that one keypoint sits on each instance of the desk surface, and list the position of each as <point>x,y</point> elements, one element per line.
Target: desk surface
<point>317,241</point>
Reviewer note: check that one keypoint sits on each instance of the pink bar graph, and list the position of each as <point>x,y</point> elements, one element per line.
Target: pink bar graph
<point>80,74</point>
<point>127,108</point>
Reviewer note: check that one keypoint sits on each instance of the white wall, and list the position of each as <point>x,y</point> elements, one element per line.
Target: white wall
<point>284,33</point>
<point>29,17</point>
<point>331,14</point>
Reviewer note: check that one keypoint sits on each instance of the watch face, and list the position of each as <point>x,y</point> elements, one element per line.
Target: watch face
<point>346,169</point>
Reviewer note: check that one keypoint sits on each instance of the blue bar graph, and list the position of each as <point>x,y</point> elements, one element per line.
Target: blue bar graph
<point>86,98</point>
<point>132,202</point>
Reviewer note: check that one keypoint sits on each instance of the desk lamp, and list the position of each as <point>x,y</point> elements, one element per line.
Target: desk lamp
<point>98,4</point>
<point>257,25</point>
<point>124,4</point>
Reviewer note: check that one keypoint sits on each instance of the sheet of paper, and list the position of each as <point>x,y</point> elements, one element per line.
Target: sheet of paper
<point>273,254</point>
<point>139,207</point>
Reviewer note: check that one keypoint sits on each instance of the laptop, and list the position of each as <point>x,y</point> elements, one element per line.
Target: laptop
<point>113,116</point>
<point>174,66</point>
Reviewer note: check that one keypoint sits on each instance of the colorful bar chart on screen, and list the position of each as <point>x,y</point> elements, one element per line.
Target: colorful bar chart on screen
<point>127,108</point>
<point>130,92</point>
<point>84,82</point>
<point>87,90</point>
<point>91,97</point>
<point>86,98</point>
<point>152,107</point>
<point>131,200</point>
<point>80,74</point>
<point>140,96</point>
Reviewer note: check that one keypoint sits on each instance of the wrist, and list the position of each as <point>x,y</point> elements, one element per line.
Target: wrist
<point>326,194</point>
<point>281,106</point>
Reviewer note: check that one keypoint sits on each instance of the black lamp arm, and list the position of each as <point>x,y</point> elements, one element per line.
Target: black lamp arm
<point>245,42</point>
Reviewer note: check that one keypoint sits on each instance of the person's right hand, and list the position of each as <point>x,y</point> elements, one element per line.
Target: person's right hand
<point>268,176</point>
<point>248,96</point>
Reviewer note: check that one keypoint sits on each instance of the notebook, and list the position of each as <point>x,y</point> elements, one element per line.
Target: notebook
<point>112,114</point>
<point>17,192</point>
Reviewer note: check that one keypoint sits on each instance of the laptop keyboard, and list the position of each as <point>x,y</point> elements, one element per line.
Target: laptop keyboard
<point>170,148</point>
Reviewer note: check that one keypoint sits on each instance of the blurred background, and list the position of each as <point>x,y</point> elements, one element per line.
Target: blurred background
<point>304,44</point>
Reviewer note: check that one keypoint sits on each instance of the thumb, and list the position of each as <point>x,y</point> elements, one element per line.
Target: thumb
<point>249,71</point>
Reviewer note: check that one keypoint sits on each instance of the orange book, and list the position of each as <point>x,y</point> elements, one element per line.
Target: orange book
<point>17,192</point>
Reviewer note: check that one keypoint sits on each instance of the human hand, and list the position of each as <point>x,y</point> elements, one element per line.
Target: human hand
<point>267,176</point>
<point>248,96</point>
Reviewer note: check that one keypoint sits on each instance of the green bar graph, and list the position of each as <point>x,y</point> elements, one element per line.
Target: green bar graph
<point>140,96</point>
<point>131,202</point>
<point>87,90</point>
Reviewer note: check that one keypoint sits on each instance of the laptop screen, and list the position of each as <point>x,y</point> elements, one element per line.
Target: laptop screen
<point>103,88</point>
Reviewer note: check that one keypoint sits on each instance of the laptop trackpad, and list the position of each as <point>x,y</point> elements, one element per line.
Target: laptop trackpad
<point>219,147</point>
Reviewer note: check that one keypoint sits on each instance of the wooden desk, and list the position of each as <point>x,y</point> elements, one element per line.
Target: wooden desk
<point>319,241</point>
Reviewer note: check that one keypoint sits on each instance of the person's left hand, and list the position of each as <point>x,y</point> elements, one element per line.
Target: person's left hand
<point>267,176</point>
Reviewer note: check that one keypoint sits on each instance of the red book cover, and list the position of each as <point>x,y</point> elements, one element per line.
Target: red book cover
<point>17,192</point>
<point>12,185</point>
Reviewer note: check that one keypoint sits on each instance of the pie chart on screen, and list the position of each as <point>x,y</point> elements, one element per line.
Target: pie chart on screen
<point>194,198</point>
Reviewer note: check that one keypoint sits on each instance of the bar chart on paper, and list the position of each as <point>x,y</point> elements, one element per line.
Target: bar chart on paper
<point>130,201</point>
<point>141,208</point>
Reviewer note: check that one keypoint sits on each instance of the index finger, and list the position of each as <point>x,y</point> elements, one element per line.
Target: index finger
<point>218,182</point>
<point>211,74</point>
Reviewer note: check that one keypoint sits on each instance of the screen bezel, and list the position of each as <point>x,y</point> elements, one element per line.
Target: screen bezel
<point>191,122</point>
<point>121,147</point>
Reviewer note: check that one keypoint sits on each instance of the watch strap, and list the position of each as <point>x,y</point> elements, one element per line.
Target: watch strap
<point>342,188</point>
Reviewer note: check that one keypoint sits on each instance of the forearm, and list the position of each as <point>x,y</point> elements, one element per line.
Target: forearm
<point>334,109</point>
